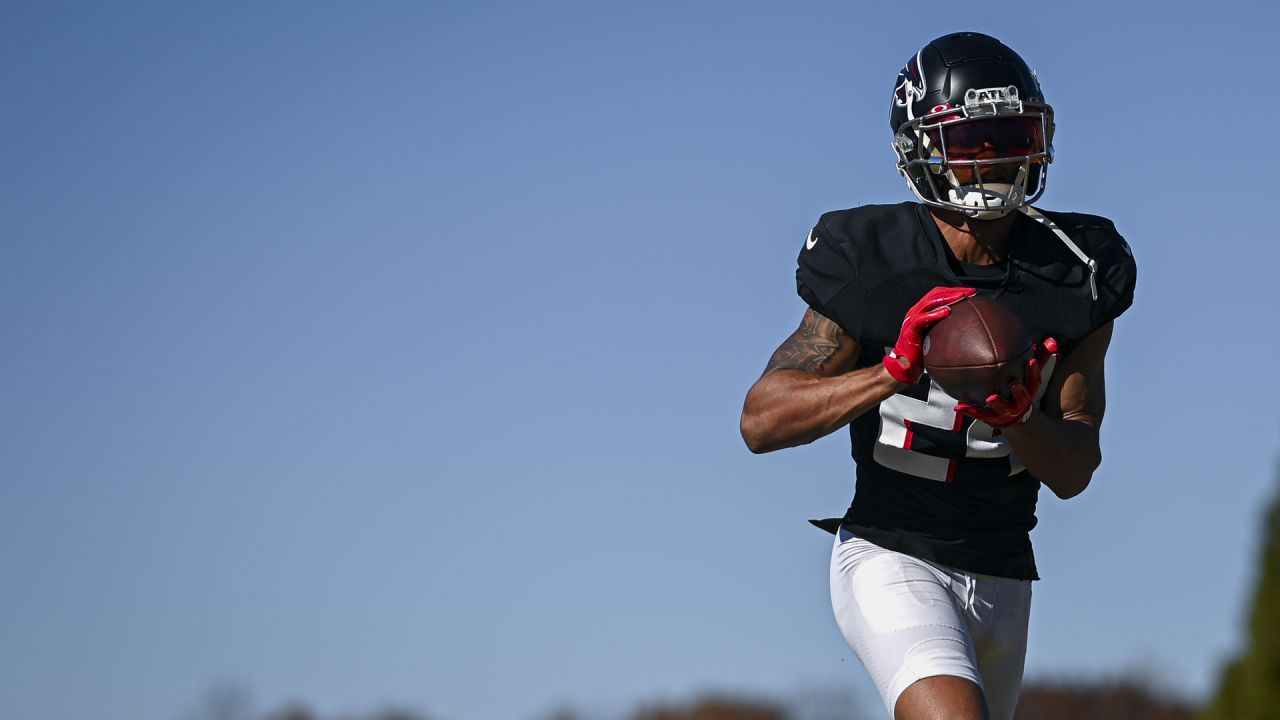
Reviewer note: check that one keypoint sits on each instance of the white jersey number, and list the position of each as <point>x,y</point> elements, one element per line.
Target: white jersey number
<point>901,416</point>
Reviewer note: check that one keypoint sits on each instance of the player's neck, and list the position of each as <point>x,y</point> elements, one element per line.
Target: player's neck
<point>980,242</point>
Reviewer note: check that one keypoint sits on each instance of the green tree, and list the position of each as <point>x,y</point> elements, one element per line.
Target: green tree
<point>1250,685</point>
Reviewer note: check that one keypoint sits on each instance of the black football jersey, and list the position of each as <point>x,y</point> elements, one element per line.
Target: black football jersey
<point>931,482</point>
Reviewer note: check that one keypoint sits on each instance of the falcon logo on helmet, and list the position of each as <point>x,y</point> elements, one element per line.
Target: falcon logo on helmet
<point>910,86</point>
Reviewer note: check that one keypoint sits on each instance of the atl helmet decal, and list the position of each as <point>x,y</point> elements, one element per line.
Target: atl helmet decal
<point>991,101</point>
<point>911,85</point>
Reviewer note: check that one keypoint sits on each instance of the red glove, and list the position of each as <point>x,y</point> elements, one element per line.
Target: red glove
<point>1000,412</point>
<point>905,362</point>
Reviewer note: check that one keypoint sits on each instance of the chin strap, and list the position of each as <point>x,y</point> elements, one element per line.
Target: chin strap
<point>1039,217</point>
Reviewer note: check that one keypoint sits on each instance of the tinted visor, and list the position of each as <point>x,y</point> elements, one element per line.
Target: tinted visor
<point>989,137</point>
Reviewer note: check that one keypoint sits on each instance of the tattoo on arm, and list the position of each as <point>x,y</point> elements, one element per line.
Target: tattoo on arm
<point>810,346</point>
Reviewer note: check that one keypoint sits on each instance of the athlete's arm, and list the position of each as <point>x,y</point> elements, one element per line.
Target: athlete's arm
<point>1059,444</point>
<point>808,390</point>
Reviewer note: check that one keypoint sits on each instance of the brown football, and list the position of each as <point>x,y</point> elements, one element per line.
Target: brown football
<point>977,351</point>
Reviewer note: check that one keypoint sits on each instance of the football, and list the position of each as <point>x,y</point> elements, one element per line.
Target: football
<point>977,350</point>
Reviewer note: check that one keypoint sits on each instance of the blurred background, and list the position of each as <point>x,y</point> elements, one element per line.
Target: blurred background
<point>385,359</point>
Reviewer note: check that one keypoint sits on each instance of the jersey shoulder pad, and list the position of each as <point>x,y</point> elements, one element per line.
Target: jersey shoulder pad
<point>846,250</point>
<point>1098,238</point>
<point>872,240</point>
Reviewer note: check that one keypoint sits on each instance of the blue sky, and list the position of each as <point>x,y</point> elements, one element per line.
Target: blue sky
<point>393,353</point>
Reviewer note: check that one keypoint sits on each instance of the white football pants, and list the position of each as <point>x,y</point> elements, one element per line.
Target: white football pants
<point>908,619</point>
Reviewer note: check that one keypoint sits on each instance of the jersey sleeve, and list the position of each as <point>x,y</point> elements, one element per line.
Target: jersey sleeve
<point>826,278</point>
<point>1117,276</point>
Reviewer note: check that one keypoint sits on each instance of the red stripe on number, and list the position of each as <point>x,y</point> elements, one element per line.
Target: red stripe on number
<point>911,434</point>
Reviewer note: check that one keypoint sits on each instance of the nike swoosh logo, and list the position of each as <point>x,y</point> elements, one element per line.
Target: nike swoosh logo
<point>811,242</point>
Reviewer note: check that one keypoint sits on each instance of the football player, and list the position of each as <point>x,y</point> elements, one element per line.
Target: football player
<point>932,564</point>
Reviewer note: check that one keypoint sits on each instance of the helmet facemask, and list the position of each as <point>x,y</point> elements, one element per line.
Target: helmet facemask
<point>946,153</point>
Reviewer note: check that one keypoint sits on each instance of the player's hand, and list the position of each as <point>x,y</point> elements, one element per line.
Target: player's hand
<point>1002,412</point>
<point>906,361</point>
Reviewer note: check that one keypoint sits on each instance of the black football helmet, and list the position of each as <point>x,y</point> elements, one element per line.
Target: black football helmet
<point>971,128</point>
